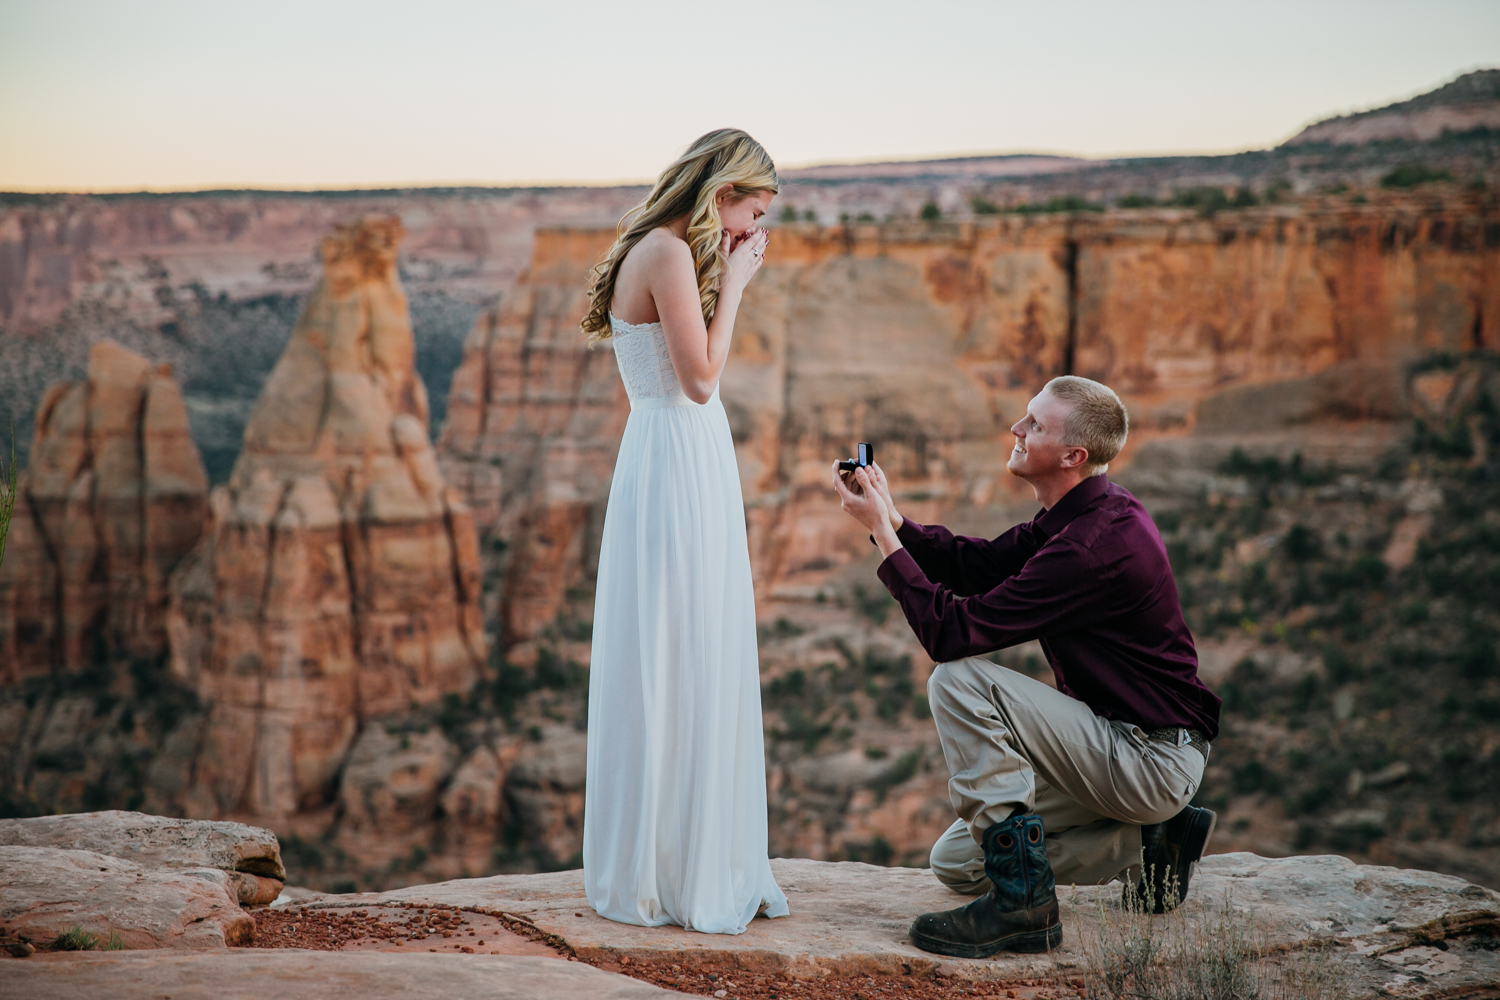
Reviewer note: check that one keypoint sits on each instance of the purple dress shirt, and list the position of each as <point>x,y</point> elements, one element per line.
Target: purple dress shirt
<point>1090,579</point>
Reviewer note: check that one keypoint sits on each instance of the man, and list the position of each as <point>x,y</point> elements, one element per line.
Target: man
<point>1078,783</point>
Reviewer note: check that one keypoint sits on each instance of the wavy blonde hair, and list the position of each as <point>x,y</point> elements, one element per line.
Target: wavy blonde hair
<point>687,187</point>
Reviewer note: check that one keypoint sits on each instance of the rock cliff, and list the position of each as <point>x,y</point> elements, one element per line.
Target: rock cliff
<point>338,580</point>
<point>114,498</point>
<point>929,341</point>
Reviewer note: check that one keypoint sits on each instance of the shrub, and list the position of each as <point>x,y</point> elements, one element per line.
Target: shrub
<point>897,774</point>
<point>930,212</point>
<point>1301,543</point>
<point>1070,203</point>
<point>1207,200</point>
<point>1409,175</point>
<point>1214,954</point>
<point>75,938</point>
<point>983,206</point>
<point>1135,201</point>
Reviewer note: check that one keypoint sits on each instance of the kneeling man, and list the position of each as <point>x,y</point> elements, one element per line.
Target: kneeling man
<point>1076,784</point>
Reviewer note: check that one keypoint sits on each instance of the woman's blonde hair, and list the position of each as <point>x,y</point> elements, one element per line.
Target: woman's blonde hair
<point>687,187</point>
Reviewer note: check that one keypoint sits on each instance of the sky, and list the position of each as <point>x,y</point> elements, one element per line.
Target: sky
<point>167,95</point>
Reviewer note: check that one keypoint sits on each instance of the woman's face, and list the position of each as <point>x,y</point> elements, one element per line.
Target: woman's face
<point>740,214</point>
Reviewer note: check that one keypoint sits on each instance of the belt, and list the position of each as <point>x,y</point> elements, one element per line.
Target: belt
<point>676,399</point>
<point>1179,737</point>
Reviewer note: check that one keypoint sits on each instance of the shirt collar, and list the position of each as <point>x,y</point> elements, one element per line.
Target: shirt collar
<point>1049,522</point>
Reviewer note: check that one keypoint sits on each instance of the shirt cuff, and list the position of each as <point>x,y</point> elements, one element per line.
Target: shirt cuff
<point>899,572</point>
<point>910,532</point>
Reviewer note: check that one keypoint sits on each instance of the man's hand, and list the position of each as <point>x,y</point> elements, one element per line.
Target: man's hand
<point>877,478</point>
<point>862,501</point>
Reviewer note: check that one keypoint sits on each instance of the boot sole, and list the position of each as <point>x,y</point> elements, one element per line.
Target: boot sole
<point>1025,942</point>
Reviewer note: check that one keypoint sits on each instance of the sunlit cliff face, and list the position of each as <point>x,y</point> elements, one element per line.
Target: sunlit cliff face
<point>738,215</point>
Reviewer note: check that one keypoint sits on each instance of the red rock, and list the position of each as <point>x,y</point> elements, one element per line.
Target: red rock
<point>114,498</point>
<point>929,341</point>
<point>339,580</point>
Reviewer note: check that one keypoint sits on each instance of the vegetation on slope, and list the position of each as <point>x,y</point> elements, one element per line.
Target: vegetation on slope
<point>1367,705</point>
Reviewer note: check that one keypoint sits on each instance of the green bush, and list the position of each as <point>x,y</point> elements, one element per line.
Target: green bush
<point>1410,175</point>
<point>983,206</point>
<point>930,212</point>
<point>1208,200</point>
<point>1070,203</point>
<point>75,938</point>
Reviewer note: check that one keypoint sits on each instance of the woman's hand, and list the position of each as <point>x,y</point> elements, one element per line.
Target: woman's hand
<point>859,498</point>
<point>746,255</point>
<point>877,479</point>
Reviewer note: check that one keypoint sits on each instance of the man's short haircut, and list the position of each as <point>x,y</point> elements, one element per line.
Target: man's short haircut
<point>1098,422</point>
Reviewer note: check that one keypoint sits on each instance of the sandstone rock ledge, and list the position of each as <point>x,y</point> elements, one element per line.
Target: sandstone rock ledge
<point>248,855</point>
<point>305,975</point>
<point>851,919</point>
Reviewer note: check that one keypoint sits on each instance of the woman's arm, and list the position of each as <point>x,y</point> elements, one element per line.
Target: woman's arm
<point>698,352</point>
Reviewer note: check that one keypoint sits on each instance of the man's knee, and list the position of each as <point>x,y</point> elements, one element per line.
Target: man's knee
<point>951,681</point>
<point>957,861</point>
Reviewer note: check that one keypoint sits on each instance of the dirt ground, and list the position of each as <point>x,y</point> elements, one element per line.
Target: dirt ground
<point>453,931</point>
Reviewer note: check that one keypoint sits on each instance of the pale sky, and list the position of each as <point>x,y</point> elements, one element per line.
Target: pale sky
<point>130,94</point>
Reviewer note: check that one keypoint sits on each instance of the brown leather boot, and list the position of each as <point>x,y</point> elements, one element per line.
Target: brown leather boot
<point>1019,913</point>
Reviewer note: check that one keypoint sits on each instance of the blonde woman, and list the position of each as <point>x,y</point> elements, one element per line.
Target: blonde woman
<point>674,828</point>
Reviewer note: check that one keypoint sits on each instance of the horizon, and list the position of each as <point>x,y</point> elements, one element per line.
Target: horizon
<point>178,98</point>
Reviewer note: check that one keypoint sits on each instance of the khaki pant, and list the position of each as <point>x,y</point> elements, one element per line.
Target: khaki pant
<point>1011,741</point>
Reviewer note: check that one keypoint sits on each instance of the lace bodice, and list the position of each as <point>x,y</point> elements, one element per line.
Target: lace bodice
<point>645,365</point>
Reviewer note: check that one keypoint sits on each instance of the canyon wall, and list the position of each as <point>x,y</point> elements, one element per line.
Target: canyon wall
<point>929,339</point>
<point>137,252</point>
<point>339,578</point>
<point>114,498</point>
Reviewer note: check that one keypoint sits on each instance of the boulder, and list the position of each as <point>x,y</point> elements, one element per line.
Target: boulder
<point>250,854</point>
<point>45,891</point>
<point>315,975</point>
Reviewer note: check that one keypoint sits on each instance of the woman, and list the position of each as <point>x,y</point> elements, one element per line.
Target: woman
<point>674,828</point>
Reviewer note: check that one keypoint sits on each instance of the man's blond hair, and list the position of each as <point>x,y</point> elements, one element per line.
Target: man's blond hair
<point>1098,422</point>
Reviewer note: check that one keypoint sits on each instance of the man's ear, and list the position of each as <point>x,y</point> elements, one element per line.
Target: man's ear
<point>1075,457</point>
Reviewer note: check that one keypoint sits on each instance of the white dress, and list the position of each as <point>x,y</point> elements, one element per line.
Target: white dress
<point>674,827</point>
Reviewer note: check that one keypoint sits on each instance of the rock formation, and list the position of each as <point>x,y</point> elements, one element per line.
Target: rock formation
<point>929,341</point>
<point>114,497</point>
<point>143,881</point>
<point>339,579</point>
<point>250,855</point>
<point>1471,102</point>
<point>532,431</point>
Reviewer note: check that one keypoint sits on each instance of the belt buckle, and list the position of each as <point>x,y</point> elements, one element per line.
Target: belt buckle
<point>1183,738</point>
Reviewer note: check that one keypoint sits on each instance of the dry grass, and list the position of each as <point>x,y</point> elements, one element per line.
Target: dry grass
<point>1215,953</point>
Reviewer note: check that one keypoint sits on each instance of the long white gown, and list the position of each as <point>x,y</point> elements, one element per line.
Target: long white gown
<point>674,825</point>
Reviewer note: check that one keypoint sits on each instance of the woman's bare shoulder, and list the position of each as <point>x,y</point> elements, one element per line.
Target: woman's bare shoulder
<point>661,245</point>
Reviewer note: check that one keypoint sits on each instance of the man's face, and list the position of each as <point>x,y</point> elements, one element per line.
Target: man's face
<point>1039,450</point>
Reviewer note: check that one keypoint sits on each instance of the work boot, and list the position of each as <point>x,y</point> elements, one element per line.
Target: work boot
<point>1018,913</point>
<point>1168,851</point>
